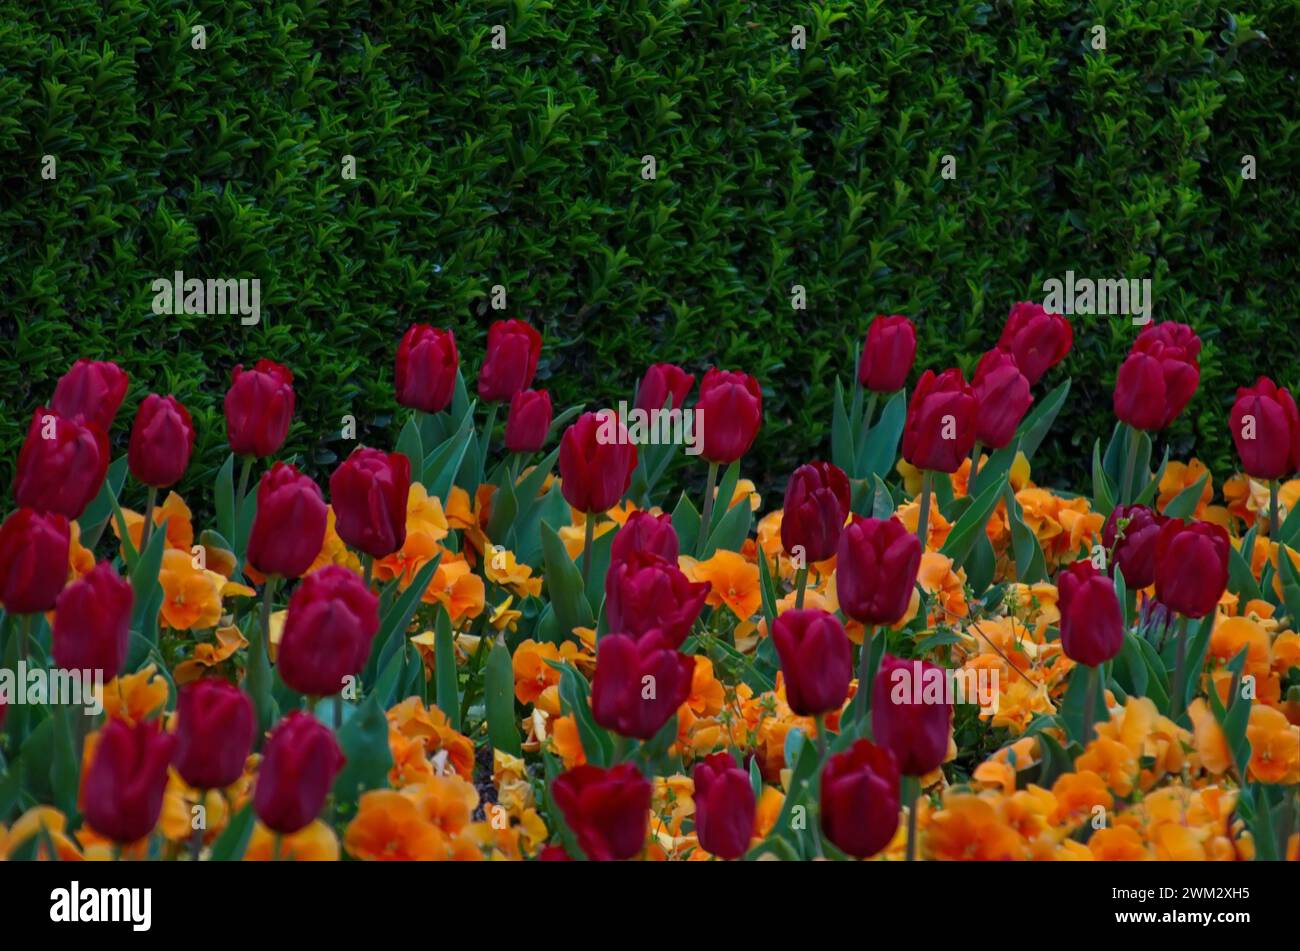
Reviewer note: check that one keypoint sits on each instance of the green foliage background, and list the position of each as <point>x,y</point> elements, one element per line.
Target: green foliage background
<point>522,167</point>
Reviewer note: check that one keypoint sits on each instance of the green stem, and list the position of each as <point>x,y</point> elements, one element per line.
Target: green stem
<point>1273,515</point>
<point>974,467</point>
<point>487,431</point>
<point>1090,702</point>
<point>1180,661</point>
<point>1130,463</point>
<point>871,411</point>
<point>862,699</point>
<point>588,541</point>
<point>150,500</point>
<point>913,786</point>
<point>268,592</point>
<point>25,622</point>
<point>244,471</point>
<point>367,569</point>
<point>801,585</point>
<point>709,486</point>
<point>338,712</point>
<point>923,520</point>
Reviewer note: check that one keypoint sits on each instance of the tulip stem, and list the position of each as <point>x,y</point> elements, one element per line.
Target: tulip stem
<point>974,467</point>
<point>912,787</point>
<point>923,519</point>
<point>24,634</point>
<point>709,488</point>
<point>1090,702</point>
<point>1130,463</point>
<point>487,431</point>
<point>589,540</point>
<point>338,712</point>
<point>1273,514</point>
<point>244,471</point>
<point>820,720</point>
<point>367,569</point>
<point>860,698</point>
<point>800,586</point>
<point>147,530</point>
<point>871,411</point>
<point>268,591</point>
<point>1180,661</point>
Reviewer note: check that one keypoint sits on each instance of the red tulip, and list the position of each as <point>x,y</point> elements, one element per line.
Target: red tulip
<point>215,728</point>
<point>661,381</point>
<point>915,732</point>
<point>731,407</point>
<point>513,348</point>
<point>529,422</point>
<point>816,660</point>
<point>816,505</point>
<point>941,418</point>
<point>62,464</point>
<point>596,462</point>
<point>332,621</point>
<point>860,799</point>
<point>1135,550</point>
<point>299,763</point>
<point>92,623</point>
<point>162,439</point>
<point>643,592</point>
<point>1038,340</point>
<point>259,408</point>
<point>1266,428</point>
<point>289,524</point>
<point>607,809</point>
<point>639,684</point>
<point>1092,625</point>
<point>122,792</point>
<point>426,367</point>
<point>1159,376</point>
<point>887,353</point>
<point>724,806</point>
<point>644,532</point>
<point>33,561</point>
<point>875,570</point>
<point>368,491</point>
<point>92,390</point>
<point>1002,394</point>
<point>1191,566</point>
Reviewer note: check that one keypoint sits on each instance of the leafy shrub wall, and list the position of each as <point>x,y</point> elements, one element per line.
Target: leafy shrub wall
<point>522,167</point>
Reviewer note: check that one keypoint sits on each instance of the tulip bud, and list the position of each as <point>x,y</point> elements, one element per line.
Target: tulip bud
<point>62,464</point>
<point>724,806</point>
<point>915,731</point>
<point>661,381</point>
<point>607,809</point>
<point>860,799</point>
<point>299,763</point>
<point>940,429</point>
<point>162,439</point>
<point>529,422</point>
<point>1266,429</point>
<point>1092,625</point>
<point>1134,546</point>
<point>1038,340</point>
<point>639,684</point>
<point>596,462</point>
<point>259,408</point>
<point>122,792</point>
<point>332,621</point>
<point>426,367</point>
<point>887,353</point>
<point>289,524</point>
<point>816,660</point>
<point>33,561</point>
<point>731,407</point>
<point>368,491</point>
<point>513,348</point>
<point>1002,394</point>
<point>644,532</point>
<point>643,592</point>
<point>92,623</point>
<point>1191,566</point>
<point>215,728</point>
<point>816,505</point>
<point>875,570</point>
<point>91,390</point>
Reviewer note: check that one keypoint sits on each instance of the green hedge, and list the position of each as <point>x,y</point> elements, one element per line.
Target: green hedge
<point>522,166</point>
